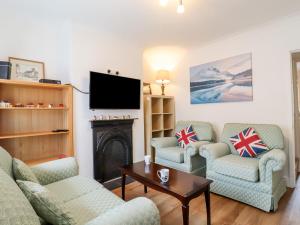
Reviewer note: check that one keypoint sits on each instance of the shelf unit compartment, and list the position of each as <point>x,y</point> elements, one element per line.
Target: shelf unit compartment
<point>25,95</point>
<point>19,121</point>
<point>157,134</point>
<point>169,122</point>
<point>157,122</point>
<point>168,105</point>
<point>157,105</point>
<point>35,148</point>
<point>169,133</point>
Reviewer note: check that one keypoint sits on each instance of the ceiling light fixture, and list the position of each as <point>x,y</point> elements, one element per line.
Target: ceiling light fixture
<point>180,7</point>
<point>164,2</point>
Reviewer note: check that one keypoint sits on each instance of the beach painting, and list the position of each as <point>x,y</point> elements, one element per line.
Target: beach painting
<point>227,80</point>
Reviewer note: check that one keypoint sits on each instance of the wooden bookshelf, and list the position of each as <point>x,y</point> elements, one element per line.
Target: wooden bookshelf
<point>27,132</point>
<point>159,119</point>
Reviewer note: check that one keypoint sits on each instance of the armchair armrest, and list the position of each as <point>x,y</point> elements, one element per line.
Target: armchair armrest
<point>164,142</point>
<point>193,148</point>
<point>137,211</point>
<point>213,151</point>
<point>272,161</point>
<point>56,170</point>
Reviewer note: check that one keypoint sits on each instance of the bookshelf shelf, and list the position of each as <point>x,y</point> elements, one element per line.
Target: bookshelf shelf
<point>33,108</point>
<point>30,134</point>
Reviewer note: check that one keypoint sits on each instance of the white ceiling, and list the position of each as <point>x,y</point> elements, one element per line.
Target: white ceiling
<point>146,22</point>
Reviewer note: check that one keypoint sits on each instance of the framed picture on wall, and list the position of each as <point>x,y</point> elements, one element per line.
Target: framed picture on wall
<point>26,70</point>
<point>226,80</point>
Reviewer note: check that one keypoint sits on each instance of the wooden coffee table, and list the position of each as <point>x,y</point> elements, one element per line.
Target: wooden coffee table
<point>182,186</point>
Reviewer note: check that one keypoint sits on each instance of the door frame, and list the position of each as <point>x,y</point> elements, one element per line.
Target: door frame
<point>292,154</point>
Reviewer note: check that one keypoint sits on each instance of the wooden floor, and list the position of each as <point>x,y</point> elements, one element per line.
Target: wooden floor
<point>224,211</point>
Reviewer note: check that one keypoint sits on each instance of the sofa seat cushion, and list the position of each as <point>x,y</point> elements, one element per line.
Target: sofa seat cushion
<point>238,167</point>
<point>93,204</point>
<point>174,154</point>
<point>73,187</point>
<point>14,206</point>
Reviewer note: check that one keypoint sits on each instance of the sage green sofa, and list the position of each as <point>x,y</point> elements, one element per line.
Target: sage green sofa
<point>255,181</point>
<point>169,153</point>
<point>87,201</point>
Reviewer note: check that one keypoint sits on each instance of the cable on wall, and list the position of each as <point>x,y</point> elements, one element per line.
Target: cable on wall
<point>87,93</point>
<point>77,89</point>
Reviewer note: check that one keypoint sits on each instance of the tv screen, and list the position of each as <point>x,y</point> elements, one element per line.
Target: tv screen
<point>114,92</point>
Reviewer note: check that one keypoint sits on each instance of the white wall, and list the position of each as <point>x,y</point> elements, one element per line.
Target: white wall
<point>70,51</point>
<point>42,39</point>
<point>98,51</point>
<point>270,46</point>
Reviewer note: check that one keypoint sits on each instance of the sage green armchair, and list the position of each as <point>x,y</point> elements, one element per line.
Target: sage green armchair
<point>255,181</point>
<point>169,153</point>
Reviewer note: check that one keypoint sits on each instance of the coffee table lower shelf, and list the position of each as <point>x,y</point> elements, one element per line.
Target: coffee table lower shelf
<point>135,171</point>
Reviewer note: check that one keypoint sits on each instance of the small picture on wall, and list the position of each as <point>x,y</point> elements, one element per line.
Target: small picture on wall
<point>227,80</point>
<point>26,70</point>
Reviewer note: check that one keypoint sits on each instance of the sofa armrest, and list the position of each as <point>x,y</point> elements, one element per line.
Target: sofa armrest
<point>213,151</point>
<point>164,142</point>
<point>56,170</point>
<point>270,162</point>
<point>193,148</point>
<point>135,212</point>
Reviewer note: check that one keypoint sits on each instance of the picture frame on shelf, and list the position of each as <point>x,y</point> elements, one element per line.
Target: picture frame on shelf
<point>147,89</point>
<point>26,70</point>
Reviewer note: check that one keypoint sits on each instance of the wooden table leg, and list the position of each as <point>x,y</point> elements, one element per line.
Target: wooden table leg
<point>123,185</point>
<point>185,214</point>
<point>145,189</point>
<point>207,200</point>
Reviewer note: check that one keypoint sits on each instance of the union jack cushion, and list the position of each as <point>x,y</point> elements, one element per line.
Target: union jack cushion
<point>186,136</point>
<point>248,143</point>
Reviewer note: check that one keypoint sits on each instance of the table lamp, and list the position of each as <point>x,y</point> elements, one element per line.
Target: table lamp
<point>163,78</point>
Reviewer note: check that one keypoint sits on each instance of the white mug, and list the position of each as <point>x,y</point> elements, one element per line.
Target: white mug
<point>163,175</point>
<point>147,159</point>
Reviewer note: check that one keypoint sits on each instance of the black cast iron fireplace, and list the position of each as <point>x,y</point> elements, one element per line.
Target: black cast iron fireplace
<point>112,147</point>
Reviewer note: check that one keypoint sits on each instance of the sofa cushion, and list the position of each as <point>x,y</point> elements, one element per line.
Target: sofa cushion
<point>23,172</point>
<point>46,204</point>
<point>248,143</point>
<point>14,206</point>
<point>238,167</point>
<point>186,136</point>
<point>6,162</point>
<point>174,154</point>
<point>76,186</point>
<point>93,204</point>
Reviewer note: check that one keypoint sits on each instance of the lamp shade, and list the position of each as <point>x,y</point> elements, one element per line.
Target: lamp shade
<point>163,77</point>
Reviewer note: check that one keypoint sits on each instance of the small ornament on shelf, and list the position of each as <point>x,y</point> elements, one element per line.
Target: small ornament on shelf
<point>5,104</point>
<point>30,105</point>
<point>50,106</point>
<point>40,105</point>
<point>19,105</point>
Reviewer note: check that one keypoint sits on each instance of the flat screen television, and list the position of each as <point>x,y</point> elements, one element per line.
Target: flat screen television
<point>114,92</point>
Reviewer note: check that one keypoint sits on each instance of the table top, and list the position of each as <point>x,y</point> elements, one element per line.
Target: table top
<point>180,184</point>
